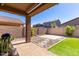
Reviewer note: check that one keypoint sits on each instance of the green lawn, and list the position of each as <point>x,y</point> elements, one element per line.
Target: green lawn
<point>68,47</point>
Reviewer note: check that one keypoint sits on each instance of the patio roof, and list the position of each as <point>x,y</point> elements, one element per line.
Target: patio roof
<point>25,8</point>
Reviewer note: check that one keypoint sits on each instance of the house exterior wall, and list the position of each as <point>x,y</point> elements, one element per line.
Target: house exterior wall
<point>73,22</point>
<point>48,24</point>
<point>16,31</point>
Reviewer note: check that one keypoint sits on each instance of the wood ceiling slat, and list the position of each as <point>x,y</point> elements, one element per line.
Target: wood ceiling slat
<point>20,6</point>
<point>27,8</point>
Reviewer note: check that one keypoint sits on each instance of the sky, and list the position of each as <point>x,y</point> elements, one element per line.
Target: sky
<point>63,11</point>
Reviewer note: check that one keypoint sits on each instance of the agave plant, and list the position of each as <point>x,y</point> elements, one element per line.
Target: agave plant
<point>5,43</point>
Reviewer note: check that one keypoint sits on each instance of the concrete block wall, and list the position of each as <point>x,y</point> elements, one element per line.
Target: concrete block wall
<point>76,33</point>
<point>41,30</point>
<point>16,31</point>
<point>56,31</point>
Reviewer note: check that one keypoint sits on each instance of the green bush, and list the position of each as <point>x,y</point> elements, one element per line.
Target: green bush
<point>69,30</point>
<point>32,31</point>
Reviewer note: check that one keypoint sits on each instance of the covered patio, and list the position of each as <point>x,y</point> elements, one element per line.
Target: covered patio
<point>28,10</point>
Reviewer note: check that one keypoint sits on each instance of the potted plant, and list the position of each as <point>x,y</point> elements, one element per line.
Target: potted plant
<point>5,44</point>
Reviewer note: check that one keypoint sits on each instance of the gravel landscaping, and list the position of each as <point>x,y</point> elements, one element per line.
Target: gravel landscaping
<point>46,41</point>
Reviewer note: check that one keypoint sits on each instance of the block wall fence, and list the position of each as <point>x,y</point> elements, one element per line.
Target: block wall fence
<point>16,31</point>
<point>55,31</point>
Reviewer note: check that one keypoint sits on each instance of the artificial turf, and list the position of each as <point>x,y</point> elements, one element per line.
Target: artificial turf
<point>68,47</point>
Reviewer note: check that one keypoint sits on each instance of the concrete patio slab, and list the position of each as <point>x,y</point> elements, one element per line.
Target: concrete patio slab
<point>18,40</point>
<point>30,49</point>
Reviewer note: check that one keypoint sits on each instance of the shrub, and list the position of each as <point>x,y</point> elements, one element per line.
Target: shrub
<point>32,31</point>
<point>69,30</point>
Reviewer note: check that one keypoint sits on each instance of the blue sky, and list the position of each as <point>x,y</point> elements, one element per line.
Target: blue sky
<point>64,12</point>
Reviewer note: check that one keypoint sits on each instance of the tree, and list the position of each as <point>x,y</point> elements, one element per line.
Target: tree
<point>53,24</point>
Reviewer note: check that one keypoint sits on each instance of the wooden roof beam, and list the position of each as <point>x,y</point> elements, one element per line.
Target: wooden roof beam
<point>31,6</point>
<point>41,8</point>
<point>34,7</point>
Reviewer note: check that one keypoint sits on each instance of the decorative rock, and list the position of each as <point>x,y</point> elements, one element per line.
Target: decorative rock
<point>45,42</point>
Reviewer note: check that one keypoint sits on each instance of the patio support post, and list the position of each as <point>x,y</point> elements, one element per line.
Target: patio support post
<point>28,29</point>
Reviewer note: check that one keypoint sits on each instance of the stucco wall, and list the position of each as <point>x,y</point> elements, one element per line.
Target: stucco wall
<point>41,30</point>
<point>16,31</point>
<point>76,33</point>
<point>57,31</point>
